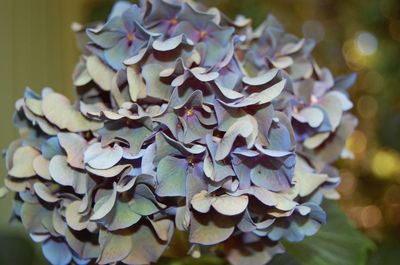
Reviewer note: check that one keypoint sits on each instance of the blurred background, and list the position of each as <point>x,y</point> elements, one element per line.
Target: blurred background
<point>37,49</point>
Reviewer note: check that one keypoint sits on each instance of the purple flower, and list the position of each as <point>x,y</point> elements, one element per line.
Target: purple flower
<point>122,37</point>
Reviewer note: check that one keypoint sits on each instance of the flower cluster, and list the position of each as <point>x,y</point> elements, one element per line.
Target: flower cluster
<point>184,121</point>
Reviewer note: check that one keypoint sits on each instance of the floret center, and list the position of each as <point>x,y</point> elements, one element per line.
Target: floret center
<point>203,34</point>
<point>131,37</point>
<point>191,159</point>
<point>189,112</point>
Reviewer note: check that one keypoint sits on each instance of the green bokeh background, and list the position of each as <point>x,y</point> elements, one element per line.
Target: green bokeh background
<point>37,49</point>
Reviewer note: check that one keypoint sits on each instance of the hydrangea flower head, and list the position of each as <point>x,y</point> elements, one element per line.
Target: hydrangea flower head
<point>184,121</point>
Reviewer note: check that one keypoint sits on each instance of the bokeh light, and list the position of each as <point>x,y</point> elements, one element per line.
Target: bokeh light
<point>357,142</point>
<point>385,164</point>
<point>371,216</point>
<point>366,43</point>
<point>367,106</point>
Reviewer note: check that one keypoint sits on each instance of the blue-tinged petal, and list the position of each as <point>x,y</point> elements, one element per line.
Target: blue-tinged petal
<point>222,35</point>
<point>57,253</point>
<point>168,44</point>
<point>119,8</point>
<point>51,148</point>
<point>217,170</point>
<point>132,15</point>
<point>171,177</point>
<point>136,46</point>
<point>162,11</point>
<point>106,39</point>
<point>116,55</point>
<point>154,86</point>
<point>246,128</point>
<point>140,54</point>
<point>198,19</point>
<point>187,29</point>
<point>281,134</point>
<point>230,76</point>
<point>214,53</point>
<point>164,27</point>
<point>273,174</point>
<point>343,83</point>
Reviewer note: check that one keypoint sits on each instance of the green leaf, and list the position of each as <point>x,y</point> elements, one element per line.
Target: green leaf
<point>284,258</point>
<point>338,243</point>
<point>387,252</point>
<point>204,260</point>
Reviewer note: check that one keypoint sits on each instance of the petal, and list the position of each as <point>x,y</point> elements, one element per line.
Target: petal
<point>114,247</point>
<point>151,247</point>
<point>230,205</point>
<point>105,39</point>
<point>282,62</point>
<point>62,174</point>
<point>171,177</point>
<point>57,253</point>
<point>290,48</point>
<point>251,254</point>
<point>98,157</point>
<point>23,162</point>
<point>74,145</point>
<point>104,205</point>
<point>137,87</point>
<point>331,103</point>
<point>210,229</point>
<point>315,140</point>
<point>58,110</point>
<point>246,128</point>
<point>123,217</point>
<point>313,116</point>
<point>43,192</point>
<point>262,79</point>
<point>143,206</point>
<point>74,219</point>
<point>116,55</point>
<point>101,74</point>
<point>201,202</point>
<point>168,44</point>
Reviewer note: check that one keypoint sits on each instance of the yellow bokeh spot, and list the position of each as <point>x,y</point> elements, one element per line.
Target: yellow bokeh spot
<point>386,164</point>
<point>359,50</point>
<point>357,143</point>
